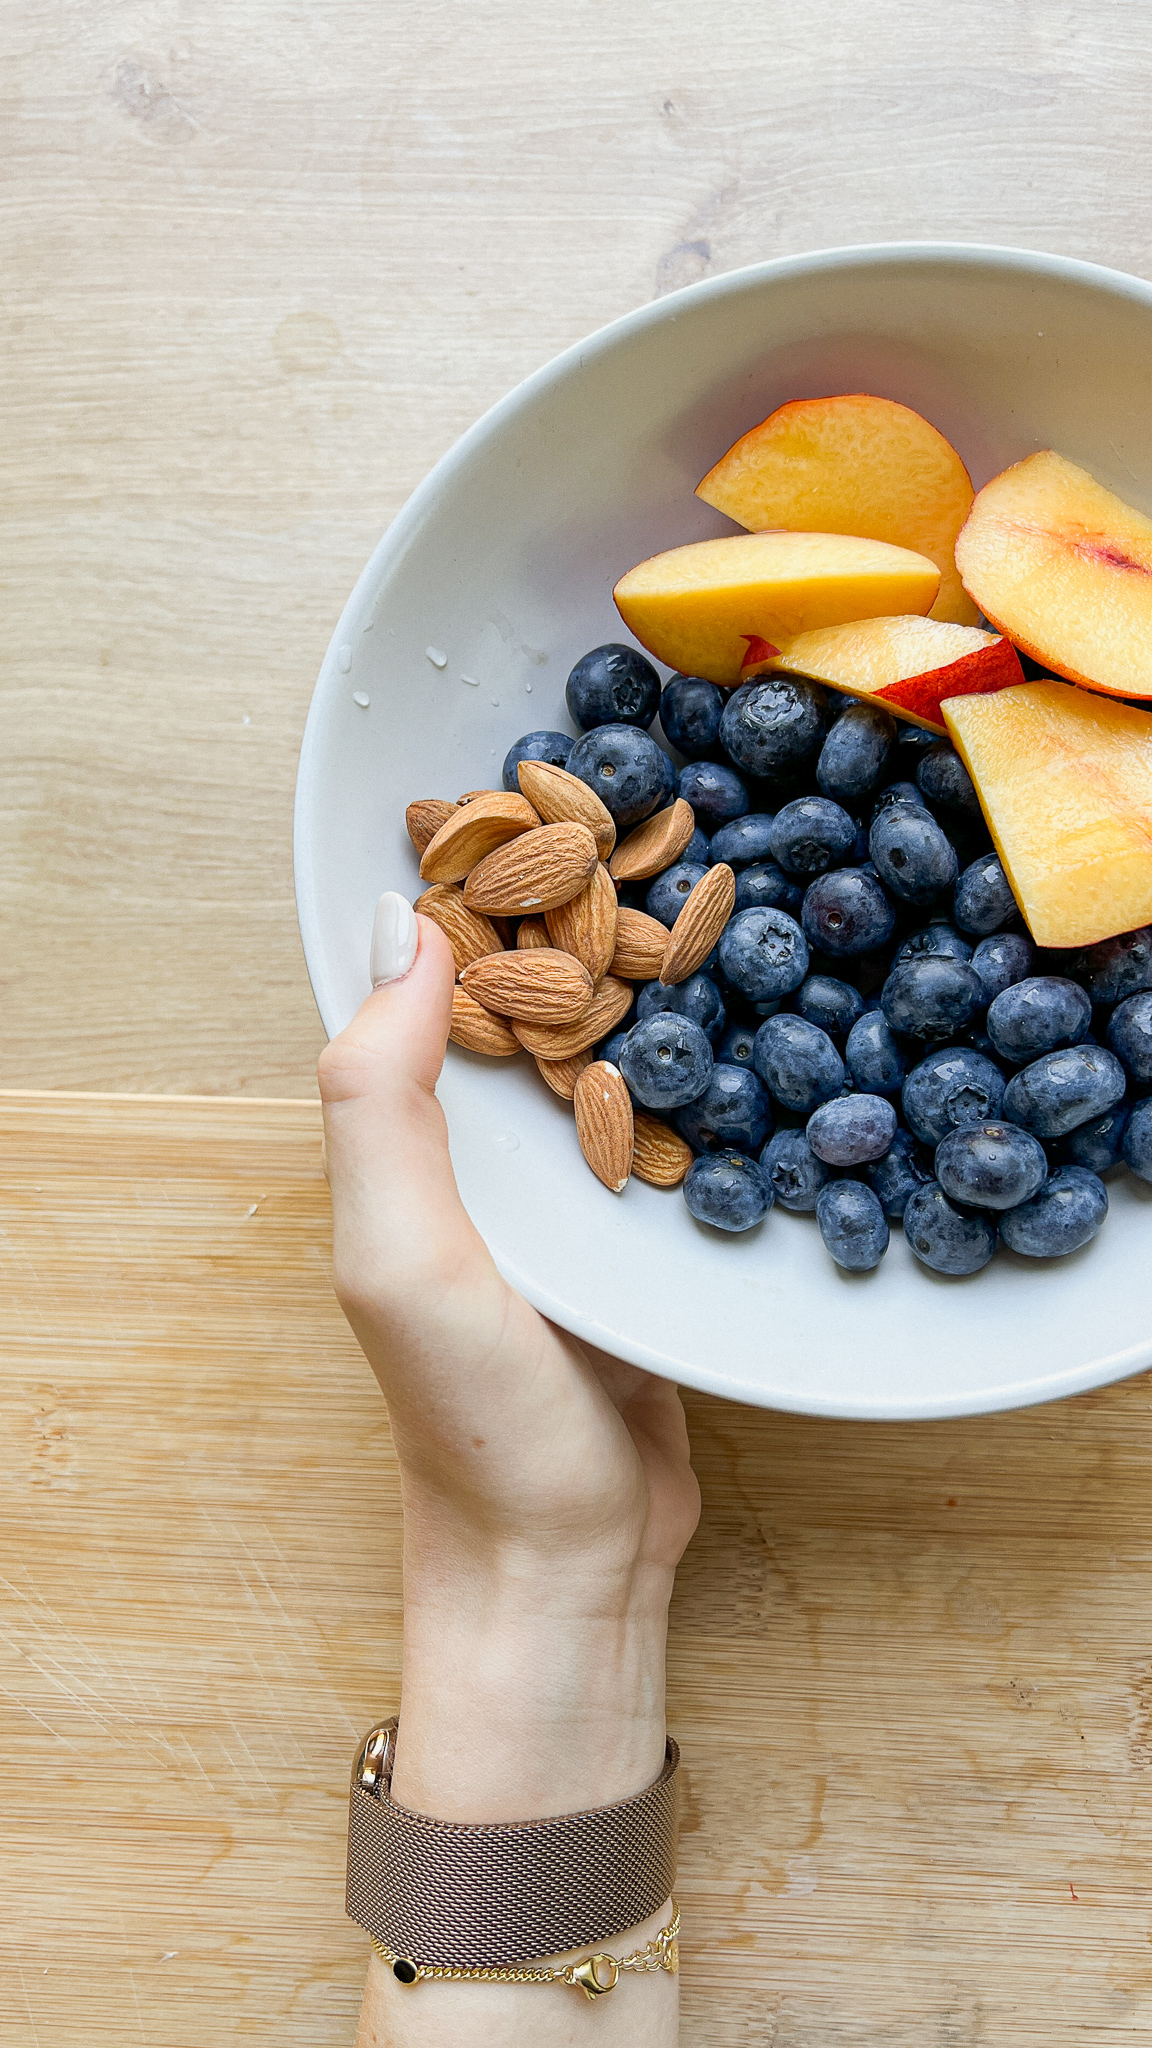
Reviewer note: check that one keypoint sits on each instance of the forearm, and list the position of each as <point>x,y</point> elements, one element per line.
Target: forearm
<point>523,1698</point>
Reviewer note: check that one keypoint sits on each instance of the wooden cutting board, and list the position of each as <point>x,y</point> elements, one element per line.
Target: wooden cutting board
<point>911,1667</point>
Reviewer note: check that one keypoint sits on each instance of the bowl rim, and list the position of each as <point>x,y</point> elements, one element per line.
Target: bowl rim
<point>403,531</point>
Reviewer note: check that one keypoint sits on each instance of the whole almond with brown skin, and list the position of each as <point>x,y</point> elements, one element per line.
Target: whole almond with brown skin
<point>470,795</point>
<point>699,925</point>
<point>533,932</point>
<point>473,831</point>
<point>560,798</point>
<point>659,1155</point>
<point>586,927</point>
<point>540,986</point>
<point>655,844</point>
<point>477,1029</point>
<point>469,934</point>
<point>640,943</point>
<point>562,1075</point>
<point>424,819</point>
<point>612,1000</point>
<point>604,1123</point>
<point>535,873</point>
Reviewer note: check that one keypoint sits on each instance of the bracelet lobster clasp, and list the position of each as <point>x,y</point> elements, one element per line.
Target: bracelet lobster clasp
<point>595,1976</point>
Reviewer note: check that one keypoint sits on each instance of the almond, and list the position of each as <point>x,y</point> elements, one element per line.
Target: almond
<point>561,799</point>
<point>533,932</point>
<point>640,943</point>
<point>539,870</point>
<point>659,1155</point>
<point>473,831</point>
<point>470,795</point>
<point>612,1000</point>
<point>424,819</point>
<point>477,1029</point>
<point>706,912</point>
<point>469,935</point>
<point>604,1123</point>
<point>586,927</point>
<point>655,844</point>
<point>540,986</point>
<point>562,1075</point>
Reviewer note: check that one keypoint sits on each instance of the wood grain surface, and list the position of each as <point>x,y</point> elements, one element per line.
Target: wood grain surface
<point>910,1667</point>
<point>263,261</point>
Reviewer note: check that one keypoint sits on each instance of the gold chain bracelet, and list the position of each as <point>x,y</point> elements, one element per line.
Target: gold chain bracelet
<point>594,1976</point>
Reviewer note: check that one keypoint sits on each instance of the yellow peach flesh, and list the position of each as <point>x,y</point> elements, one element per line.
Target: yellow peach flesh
<point>1065,781</point>
<point>868,654</point>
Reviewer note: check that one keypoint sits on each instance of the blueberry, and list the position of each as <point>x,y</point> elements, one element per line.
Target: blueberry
<point>930,997</point>
<point>851,1129</point>
<point>1066,1214</point>
<point>1130,1035</point>
<point>745,841</point>
<point>798,1063</point>
<point>912,741</point>
<point>697,998</point>
<point>853,755</point>
<point>667,894</point>
<point>698,849</point>
<point>852,1225</point>
<point>666,1061</point>
<point>902,1170</point>
<point>983,900</point>
<point>1064,1089</point>
<point>1002,961</point>
<point>833,1005</point>
<point>943,780</point>
<point>716,793</point>
<point>811,835</point>
<point>898,793</point>
<point>937,939</point>
<point>794,1173</point>
<point>767,887</point>
<point>847,913</point>
<point>774,725</point>
<point>990,1166</point>
<point>951,1088</point>
<point>613,685</point>
<point>1097,1145</point>
<point>1036,1016</point>
<point>733,1114</point>
<point>610,1050</point>
<point>873,1058</point>
<point>690,712</point>
<point>947,1239</point>
<point>1116,967</point>
<point>727,1190</point>
<point>763,954</point>
<point>630,774</point>
<point>913,856</point>
<point>735,1048</point>
<point>553,747</point>
<point>1138,1140</point>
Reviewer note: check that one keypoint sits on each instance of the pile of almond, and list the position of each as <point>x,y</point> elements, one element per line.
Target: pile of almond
<point>559,980</point>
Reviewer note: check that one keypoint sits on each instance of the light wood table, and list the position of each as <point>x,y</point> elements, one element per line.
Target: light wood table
<point>910,1666</point>
<point>263,261</point>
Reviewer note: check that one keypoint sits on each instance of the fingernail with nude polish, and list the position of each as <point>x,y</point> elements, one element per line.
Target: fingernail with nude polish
<point>395,936</point>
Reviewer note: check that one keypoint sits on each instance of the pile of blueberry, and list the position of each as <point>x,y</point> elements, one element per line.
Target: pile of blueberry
<point>875,1037</point>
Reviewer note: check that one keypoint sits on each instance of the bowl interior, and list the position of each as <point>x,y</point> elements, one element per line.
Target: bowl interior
<point>461,633</point>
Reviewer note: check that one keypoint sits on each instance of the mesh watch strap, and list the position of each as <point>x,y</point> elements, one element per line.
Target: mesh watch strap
<point>501,1895</point>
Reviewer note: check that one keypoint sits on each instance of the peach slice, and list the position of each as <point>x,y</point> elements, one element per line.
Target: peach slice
<point>852,464</point>
<point>722,609</point>
<point>1065,780</point>
<point>1055,560</point>
<point>908,664</point>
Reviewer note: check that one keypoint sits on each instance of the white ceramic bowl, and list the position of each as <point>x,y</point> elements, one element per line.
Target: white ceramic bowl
<point>503,562</point>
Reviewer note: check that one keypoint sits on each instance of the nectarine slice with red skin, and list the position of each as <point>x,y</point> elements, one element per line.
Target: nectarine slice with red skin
<point>852,464</point>
<point>910,665</point>
<point>1065,781</point>
<point>710,608</point>
<point>1065,568</point>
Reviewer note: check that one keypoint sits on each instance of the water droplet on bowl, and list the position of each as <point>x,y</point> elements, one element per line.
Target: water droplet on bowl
<point>506,1141</point>
<point>344,658</point>
<point>473,682</point>
<point>436,657</point>
<point>359,697</point>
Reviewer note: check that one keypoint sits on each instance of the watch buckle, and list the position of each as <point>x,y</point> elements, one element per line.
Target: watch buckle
<point>372,1758</point>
